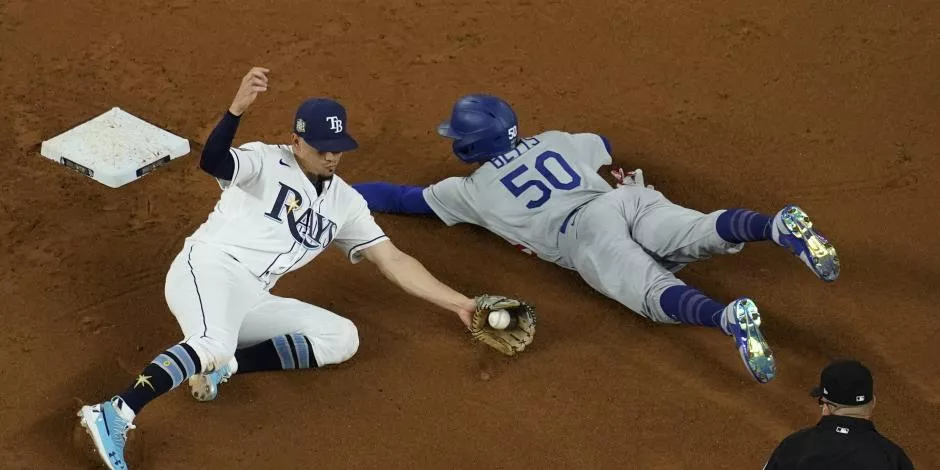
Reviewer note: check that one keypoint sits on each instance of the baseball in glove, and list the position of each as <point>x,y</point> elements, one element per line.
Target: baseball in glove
<point>512,339</point>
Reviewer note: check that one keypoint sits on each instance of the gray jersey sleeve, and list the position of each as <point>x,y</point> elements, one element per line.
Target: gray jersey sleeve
<point>591,147</point>
<point>451,202</point>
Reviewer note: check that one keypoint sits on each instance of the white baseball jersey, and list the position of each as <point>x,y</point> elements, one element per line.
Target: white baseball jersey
<point>525,195</point>
<point>272,220</point>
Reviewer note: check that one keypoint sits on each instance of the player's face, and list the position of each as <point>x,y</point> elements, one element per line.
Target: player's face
<point>320,164</point>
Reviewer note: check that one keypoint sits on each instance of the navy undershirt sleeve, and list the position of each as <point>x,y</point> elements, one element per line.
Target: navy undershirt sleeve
<point>388,197</point>
<point>216,158</point>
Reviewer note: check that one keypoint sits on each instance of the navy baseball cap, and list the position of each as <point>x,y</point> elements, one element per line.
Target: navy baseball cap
<point>845,382</point>
<point>321,122</point>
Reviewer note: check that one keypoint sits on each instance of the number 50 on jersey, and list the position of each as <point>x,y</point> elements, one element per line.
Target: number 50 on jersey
<point>551,172</point>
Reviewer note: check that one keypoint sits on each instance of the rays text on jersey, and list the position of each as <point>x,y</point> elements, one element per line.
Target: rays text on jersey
<point>311,229</point>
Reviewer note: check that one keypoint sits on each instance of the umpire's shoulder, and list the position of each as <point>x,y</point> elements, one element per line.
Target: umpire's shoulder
<point>892,448</point>
<point>796,437</point>
<point>784,451</point>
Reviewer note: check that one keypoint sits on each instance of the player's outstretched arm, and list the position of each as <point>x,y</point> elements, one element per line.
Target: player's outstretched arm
<point>215,159</point>
<point>394,198</point>
<point>409,274</point>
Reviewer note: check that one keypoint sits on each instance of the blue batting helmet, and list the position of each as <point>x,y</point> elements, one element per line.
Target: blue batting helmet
<point>481,126</point>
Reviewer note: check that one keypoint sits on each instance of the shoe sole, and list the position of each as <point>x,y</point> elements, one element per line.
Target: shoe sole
<point>823,256</point>
<point>757,356</point>
<point>87,418</point>
<point>201,389</point>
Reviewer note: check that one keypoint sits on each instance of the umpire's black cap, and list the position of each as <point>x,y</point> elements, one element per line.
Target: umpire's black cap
<point>845,382</point>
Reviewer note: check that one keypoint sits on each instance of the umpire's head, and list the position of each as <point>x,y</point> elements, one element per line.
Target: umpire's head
<point>845,388</point>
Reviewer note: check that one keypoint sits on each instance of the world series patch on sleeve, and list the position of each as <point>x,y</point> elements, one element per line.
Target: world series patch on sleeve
<point>507,325</point>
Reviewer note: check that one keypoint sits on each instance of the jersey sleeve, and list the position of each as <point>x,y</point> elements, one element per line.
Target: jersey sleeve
<point>249,162</point>
<point>360,231</point>
<point>594,149</point>
<point>451,202</point>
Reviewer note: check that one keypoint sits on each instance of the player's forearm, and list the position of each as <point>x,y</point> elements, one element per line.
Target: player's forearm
<point>388,197</point>
<point>216,159</point>
<point>409,274</point>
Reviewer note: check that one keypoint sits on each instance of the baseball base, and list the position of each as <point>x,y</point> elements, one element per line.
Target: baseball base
<point>115,148</point>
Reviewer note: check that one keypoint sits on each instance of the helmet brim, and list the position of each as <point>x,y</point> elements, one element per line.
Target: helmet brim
<point>444,129</point>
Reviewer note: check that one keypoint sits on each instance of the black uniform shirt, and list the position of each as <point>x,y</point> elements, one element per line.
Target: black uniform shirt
<point>838,442</point>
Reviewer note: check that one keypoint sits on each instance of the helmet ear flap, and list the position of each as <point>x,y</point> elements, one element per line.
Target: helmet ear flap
<point>463,151</point>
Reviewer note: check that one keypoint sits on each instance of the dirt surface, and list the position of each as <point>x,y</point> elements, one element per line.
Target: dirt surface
<point>724,103</point>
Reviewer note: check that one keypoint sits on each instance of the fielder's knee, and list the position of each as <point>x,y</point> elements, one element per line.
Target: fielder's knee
<point>338,345</point>
<point>212,352</point>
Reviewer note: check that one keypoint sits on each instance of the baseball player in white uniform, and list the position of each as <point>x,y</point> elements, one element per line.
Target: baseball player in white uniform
<point>280,207</point>
<point>544,195</point>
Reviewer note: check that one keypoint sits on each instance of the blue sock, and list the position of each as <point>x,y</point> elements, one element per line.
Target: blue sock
<point>742,225</point>
<point>690,306</point>
<point>292,351</point>
<point>166,372</point>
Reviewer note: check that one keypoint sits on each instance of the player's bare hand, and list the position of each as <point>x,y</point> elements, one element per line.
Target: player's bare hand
<point>619,175</point>
<point>467,311</point>
<point>632,178</point>
<point>254,82</point>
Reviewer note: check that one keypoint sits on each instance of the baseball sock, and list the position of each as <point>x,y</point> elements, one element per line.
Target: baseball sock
<point>742,225</point>
<point>291,351</point>
<point>163,374</point>
<point>691,307</point>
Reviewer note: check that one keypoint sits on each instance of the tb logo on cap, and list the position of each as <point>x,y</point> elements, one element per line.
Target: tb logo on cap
<point>336,124</point>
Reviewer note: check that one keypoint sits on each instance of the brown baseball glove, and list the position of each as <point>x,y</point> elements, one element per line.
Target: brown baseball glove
<point>512,339</point>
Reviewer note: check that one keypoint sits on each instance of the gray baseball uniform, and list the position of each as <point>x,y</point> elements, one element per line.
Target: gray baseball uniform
<point>547,198</point>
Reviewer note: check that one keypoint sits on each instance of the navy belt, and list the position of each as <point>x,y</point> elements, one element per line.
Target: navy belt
<point>564,224</point>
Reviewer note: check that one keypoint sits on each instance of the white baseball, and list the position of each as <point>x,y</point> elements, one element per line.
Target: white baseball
<point>499,319</point>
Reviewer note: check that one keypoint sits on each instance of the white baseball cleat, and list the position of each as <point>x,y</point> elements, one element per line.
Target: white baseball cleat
<point>205,387</point>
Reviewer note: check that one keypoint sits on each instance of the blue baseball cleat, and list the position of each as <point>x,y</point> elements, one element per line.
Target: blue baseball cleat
<point>108,431</point>
<point>742,321</point>
<point>793,229</point>
<point>205,387</point>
